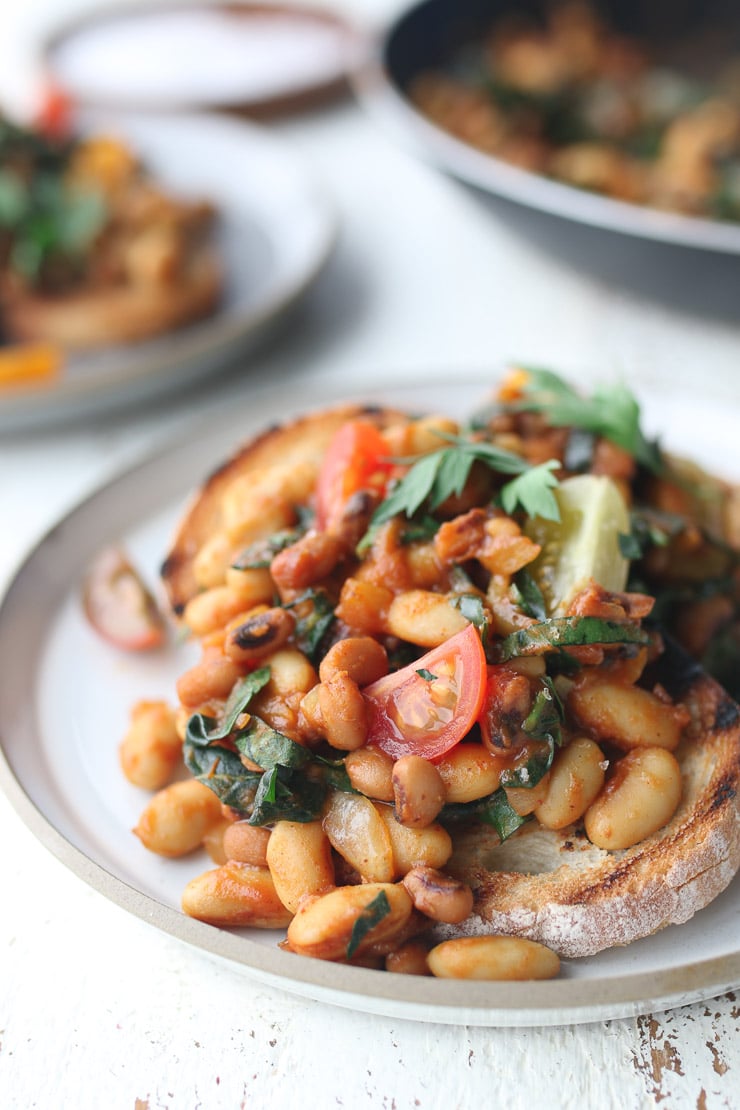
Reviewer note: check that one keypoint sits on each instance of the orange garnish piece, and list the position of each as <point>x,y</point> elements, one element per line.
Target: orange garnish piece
<point>29,363</point>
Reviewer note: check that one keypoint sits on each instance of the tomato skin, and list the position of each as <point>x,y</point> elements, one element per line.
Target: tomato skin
<point>356,459</point>
<point>54,115</point>
<point>445,708</point>
<point>118,605</point>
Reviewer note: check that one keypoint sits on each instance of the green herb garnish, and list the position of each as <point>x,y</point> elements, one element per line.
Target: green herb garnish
<point>443,474</point>
<point>495,810</point>
<point>315,618</point>
<point>372,915</point>
<point>611,411</point>
<point>560,632</point>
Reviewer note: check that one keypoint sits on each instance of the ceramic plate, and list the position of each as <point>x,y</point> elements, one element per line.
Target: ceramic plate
<point>66,783</point>
<point>261,59</point>
<point>425,35</point>
<point>276,232</point>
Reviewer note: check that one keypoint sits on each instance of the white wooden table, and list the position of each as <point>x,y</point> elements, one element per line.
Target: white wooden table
<point>100,1010</point>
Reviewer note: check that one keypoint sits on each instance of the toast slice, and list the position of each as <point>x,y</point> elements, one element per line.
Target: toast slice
<point>553,887</point>
<point>298,443</point>
<point>94,316</point>
<point>561,890</point>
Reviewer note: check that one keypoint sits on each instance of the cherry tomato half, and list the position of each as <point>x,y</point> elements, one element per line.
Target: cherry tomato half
<point>429,706</point>
<point>356,459</point>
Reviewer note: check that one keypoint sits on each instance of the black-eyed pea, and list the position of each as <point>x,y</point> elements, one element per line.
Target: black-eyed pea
<point>439,896</point>
<point>357,831</point>
<point>212,609</point>
<point>409,959</point>
<point>424,617</point>
<point>152,748</point>
<point>291,672</point>
<point>300,861</point>
<point>469,771</point>
<point>344,712</point>
<point>493,958</point>
<point>574,782</point>
<point>533,666</point>
<point>245,843</point>
<point>253,584</point>
<point>177,818</point>
<point>213,841</point>
<point>525,799</point>
<point>211,561</point>
<point>370,771</point>
<point>259,635</point>
<point>308,560</point>
<point>211,679</point>
<point>324,927</point>
<point>361,657</point>
<point>430,847</point>
<point>423,565</point>
<point>420,437</point>
<point>310,721</point>
<point>418,791</point>
<point>641,796</point>
<point>236,894</point>
<point>627,716</point>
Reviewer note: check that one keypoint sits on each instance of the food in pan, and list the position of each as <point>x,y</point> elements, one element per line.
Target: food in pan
<point>569,97</point>
<point>93,250</point>
<point>441,721</point>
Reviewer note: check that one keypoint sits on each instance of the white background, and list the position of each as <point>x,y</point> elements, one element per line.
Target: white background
<point>99,1010</point>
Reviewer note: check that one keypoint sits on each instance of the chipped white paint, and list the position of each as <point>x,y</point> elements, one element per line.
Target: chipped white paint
<point>98,1010</point>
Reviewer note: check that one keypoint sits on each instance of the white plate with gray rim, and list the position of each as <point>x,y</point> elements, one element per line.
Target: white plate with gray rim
<point>65,698</point>
<point>277,228</point>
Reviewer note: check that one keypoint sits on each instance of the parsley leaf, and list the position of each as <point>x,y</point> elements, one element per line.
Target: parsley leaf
<point>532,490</point>
<point>442,474</point>
<point>611,411</point>
<point>427,675</point>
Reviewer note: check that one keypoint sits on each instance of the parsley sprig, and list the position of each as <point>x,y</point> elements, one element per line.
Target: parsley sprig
<point>611,411</point>
<point>442,474</point>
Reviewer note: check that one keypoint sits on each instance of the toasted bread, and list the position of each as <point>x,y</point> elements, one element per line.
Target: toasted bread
<point>301,442</point>
<point>561,890</point>
<point>94,316</point>
<point>555,887</point>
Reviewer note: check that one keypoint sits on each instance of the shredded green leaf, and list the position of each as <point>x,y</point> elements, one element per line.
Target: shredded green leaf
<point>495,810</point>
<point>316,616</point>
<point>528,596</point>
<point>267,747</point>
<point>560,632</point>
<point>372,915</point>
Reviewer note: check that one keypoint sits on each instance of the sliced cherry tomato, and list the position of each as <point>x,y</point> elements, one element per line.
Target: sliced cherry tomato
<point>429,706</point>
<point>54,114</point>
<point>356,459</point>
<point>119,606</point>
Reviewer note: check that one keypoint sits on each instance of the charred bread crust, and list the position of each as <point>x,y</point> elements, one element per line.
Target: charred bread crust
<point>94,317</point>
<point>557,888</point>
<point>300,441</point>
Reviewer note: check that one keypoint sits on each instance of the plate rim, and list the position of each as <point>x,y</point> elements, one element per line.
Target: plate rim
<point>377,88</point>
<point>211,338</point>
<point>556,1002</point>
<point>304,95</point>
